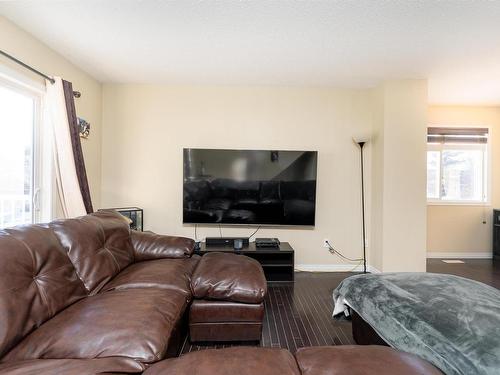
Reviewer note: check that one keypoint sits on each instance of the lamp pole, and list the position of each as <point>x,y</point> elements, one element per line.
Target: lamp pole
<point>361,144</point>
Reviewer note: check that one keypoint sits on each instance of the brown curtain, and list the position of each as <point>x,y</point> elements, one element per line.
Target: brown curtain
<point>77,147</point>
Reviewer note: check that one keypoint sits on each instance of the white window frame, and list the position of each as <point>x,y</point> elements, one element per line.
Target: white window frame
<point>43,178</point>
<point>486,172</point>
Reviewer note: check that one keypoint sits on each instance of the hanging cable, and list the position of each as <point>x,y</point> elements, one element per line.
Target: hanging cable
<point>253,234</point>
<point>335,252</point>
<point>220,231</point>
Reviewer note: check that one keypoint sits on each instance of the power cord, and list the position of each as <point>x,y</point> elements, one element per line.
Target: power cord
<point>197,244</point>
<point>336,252</point>
<point>356,266</point>
<point>253,234</point>
<point>220,232</point>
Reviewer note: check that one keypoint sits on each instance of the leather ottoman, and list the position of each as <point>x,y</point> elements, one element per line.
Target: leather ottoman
<point>322,360</point>
<point>361,360</point>
<point>230,361</point>
<point>228,291</point>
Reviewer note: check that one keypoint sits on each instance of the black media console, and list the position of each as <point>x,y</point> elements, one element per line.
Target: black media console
<point>278,263</point>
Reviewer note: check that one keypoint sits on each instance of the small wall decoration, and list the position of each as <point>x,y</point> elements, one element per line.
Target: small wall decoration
<point>83,128</point>
<point>133,214</point>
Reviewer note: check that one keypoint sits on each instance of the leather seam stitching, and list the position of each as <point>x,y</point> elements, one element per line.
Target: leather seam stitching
<point>181,311</point>
<point>101,227</point>
<point>53,270</point>
<point>16,288</point>
<point>81,279</point>
<point>27,248</point>
<point>44,297</point>
<point>33,263</point>
<point>89,255</point>
<point>78,260</point>
<point>114,260</point>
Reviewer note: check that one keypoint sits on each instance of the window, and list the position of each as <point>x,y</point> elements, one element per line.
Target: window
<point>21,159</point>
<point>457,165</point>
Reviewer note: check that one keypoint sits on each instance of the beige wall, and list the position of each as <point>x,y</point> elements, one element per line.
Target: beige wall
<point>399,176</point>
<point>377,181</point>
<point>460,229</point>
<point>25,47</point>
<point>146,127</point>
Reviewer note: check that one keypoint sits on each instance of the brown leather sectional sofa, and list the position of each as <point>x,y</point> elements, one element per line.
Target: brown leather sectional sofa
<point>88,288</point>
<point>88,296</point>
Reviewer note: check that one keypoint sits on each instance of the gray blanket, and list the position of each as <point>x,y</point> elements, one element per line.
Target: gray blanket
<point>450,321</point>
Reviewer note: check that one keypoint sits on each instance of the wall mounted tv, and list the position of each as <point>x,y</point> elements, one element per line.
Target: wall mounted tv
<point>249,187</point>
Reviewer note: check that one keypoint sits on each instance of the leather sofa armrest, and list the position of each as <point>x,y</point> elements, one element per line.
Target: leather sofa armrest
<point>149,245</point>
<point>107,365</point>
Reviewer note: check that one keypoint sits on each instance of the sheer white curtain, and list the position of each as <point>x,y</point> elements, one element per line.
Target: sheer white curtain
<point>68,188</point>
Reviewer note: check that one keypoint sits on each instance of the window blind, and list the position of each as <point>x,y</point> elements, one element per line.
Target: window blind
<point>457,135</point>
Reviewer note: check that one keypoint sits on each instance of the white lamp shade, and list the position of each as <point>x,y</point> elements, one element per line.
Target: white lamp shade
<point>361,137</point>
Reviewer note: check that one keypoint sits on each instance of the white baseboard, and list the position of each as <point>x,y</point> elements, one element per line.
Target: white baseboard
<point>464,255</point>
<point>334,268</point>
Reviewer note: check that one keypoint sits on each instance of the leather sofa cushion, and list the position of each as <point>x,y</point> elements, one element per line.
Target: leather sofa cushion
<point>202,311</point>
<point>134,323</point>
<point>361,360</point>
<point>172,274</point>
<point>98,245</point>
<point>149,245</point>
<point>72,366</point>
<point>229,361</point>
<point>37,280</point>
<point>229,277</point>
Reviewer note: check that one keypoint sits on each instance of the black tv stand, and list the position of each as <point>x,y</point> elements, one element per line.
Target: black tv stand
<point>278,263</point>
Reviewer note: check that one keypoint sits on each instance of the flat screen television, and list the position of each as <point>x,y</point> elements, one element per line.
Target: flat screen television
<point>249,187</point>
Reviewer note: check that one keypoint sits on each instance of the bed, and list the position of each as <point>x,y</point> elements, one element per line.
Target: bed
<point>452,322</point>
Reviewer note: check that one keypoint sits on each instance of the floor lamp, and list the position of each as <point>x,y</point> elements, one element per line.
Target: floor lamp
<point>361,141</point>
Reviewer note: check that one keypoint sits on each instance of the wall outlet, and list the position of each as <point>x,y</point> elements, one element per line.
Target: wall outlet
<point>325,243</point>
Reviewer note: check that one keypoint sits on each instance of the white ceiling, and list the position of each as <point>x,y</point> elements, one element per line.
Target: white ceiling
<point>455,44</point>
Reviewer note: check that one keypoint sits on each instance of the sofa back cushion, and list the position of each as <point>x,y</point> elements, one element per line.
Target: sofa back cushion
<point>98,245</point>
<point>37,280</point>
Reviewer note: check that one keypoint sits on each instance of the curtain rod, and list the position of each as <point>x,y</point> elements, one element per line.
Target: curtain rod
<point>52,80</point>
<point>76,94</point>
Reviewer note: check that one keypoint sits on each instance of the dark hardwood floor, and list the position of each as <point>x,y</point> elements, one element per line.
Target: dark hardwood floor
<point>486,271</point>
<point>300,314</point>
